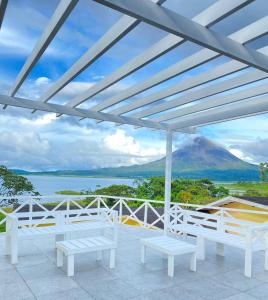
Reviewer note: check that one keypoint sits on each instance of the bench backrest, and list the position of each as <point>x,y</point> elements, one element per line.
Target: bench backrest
<point>218,222</point>
<point>61,217</point>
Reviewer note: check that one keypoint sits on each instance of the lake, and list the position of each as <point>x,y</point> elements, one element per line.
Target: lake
<point>49,185</point>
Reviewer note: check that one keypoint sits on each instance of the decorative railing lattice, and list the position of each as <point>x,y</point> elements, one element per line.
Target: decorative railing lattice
<point>146,213</point>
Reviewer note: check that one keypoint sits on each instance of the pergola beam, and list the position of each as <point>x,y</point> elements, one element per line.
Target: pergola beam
<point>110,38</point>
<point>177,24</point>
<point>244,35</point>
<point>61,13</point>
<point>76,112</point>
<point>213,89</point>
<point>3,6</point>
<point>222,100</point>
<point>211,15</point>
<point>241,109</point>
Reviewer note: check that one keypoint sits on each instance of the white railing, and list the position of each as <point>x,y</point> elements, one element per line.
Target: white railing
<point>146,213</point>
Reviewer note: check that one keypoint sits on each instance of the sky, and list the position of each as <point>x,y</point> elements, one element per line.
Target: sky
<point>41,141</point>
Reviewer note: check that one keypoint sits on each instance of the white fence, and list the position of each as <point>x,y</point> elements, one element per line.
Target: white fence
<point>146,213</point>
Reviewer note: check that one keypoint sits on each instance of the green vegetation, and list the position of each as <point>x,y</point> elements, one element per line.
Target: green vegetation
<point>252,189</point>
<point>12,184</point>
<point>263,169</point>
<point>183,190</point>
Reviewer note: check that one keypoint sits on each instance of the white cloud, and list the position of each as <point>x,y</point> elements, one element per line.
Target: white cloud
<point>126,144</point>
<point>44,142</point>
<point>42,81</point>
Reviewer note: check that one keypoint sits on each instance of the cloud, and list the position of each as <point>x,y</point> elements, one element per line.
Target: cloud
<point>47,143</point>
<point>254,151</point>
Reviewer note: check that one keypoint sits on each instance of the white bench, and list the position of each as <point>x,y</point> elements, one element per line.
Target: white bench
<point>170,247</point>
<point>84,245</point>
<point>22,226</point>
<point>224,230</point>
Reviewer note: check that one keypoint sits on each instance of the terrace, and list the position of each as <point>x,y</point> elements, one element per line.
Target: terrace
<point>241,91</point>
<point>37,277</point>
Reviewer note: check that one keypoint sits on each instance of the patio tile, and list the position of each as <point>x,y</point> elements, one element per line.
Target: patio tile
<point>73,294</point>
<point>208,289</point>
<point>111,289</point>
<point>259,292</point>
<point>5,263</point>
<point>149,281</point>
<point>217,277</point>
<point>15,291</point>
<point>39,271</point>
<point>236,279</point>
<point>262,275</point>
<point>31,260</point>
<point>168,294</point>
<point>94,275</point>
<point>241,296</point>
<point>10,276</point>
<point>51,284</point>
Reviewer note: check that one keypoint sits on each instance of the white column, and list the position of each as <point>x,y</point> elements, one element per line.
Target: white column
<point>168,172</point>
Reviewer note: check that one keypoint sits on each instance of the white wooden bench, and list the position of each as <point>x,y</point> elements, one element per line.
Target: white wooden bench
<point>22,226</point>
<point>84,245</point>
<point>170,247</point>
<point>222,229</point>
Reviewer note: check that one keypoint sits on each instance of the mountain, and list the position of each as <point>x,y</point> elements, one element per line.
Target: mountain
<point>197,159</point>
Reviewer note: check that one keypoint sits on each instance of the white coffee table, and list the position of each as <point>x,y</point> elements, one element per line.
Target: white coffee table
<point>171,247</point>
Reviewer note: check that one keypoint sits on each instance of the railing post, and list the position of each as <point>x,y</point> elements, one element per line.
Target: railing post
<point>68,210</point>
<point>98,205</point>
<point>31,211</point>
<point>145,220</point>
<point>120,210</point>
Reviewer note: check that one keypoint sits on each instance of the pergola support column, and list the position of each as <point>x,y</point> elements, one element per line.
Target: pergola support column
<point>168,175</point>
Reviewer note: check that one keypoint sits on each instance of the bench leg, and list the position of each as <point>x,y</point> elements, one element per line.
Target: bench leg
<point>14,249</point>
<point>7,245</point>
<point>59,258</point>
<point>171,265</point>
<point>70,265</point>
<point>248,262</point>
<point>201,253</point>
<point>220,249</point>
<point>193,262</point>
<point>266,260</point>
<point>112,258</point>
<point>143,253</point>
<point>99,255</point>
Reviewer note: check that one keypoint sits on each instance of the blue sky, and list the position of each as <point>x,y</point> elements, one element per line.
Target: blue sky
<point>42,141</point>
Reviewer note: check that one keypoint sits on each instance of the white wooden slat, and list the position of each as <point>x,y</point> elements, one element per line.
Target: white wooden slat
<point>199,94</point>
<point>210,16</point>
<point>61,13</point>
<point>244,108</point>
<point>177,24</point>
<point>243,35</point>
<point>111,37</point>
<point>3,5</point>
<point>222,100</point>
<point>63,109</point>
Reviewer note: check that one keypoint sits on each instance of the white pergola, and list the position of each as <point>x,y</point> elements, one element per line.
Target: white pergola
<point>154,110</point>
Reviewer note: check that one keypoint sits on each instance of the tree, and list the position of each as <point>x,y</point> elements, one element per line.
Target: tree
<point>12,184</point>
<point>263,169</point>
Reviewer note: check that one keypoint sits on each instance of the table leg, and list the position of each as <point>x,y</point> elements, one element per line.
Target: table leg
<point>171,265</point>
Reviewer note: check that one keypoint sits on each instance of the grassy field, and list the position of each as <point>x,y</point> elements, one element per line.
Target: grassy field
<point>248,188</point>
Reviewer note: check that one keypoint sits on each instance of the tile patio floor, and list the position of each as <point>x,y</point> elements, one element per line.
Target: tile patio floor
<point>37,277</point>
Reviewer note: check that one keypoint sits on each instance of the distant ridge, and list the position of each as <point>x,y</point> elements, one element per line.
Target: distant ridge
<point>198,159</point>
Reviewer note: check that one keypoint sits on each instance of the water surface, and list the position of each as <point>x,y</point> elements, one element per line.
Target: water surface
<point>49,185</point>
